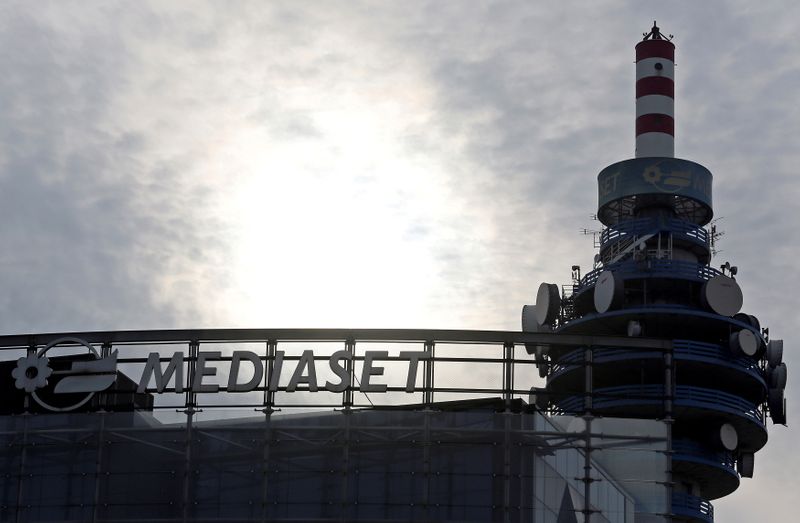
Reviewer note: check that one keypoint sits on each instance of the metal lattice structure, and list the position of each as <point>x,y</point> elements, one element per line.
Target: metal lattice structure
<point>723,377</point>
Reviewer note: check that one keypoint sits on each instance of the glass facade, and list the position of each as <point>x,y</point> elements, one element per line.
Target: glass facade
<point>392,464</point>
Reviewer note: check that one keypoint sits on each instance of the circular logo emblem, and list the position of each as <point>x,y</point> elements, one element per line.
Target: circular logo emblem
<point>67,384</point>
<point>666,179</point>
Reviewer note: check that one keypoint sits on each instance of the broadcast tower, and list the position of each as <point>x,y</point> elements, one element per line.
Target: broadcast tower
<point>653,278</point>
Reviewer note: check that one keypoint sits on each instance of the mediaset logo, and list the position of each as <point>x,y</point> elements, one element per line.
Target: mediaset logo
<point>52,385</point>
<point>33,374</point>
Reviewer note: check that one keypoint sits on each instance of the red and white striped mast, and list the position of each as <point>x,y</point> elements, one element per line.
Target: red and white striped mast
<point>655,96</point>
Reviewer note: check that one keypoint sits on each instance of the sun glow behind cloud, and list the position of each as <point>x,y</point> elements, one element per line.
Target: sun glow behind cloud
<point>331,228</point>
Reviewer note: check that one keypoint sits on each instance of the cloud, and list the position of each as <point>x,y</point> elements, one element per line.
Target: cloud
<point>369,164</point>
<point>98,225</point>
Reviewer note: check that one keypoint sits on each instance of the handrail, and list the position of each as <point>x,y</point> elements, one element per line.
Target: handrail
<point>687,450</point>
<point>685,396</point>
<point>142,337</point>
<point>649,225</point>
<point>683,350</point>
<point>692,506</point>
<point>713,353</point>
<point>670,268</point>
<point>635,226</point>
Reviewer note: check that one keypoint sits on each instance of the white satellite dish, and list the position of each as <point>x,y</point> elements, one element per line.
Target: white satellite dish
<point>529,323</point>
<point>777,406</point>
<point>540,351</point>
<point>745,464</point>
<point>576,426</point>
<point>548,303</point>
<point>777,376</point>
<point>728,436</point>
<point>774,352</point>
<point>722,295</point>
<point>607,292</point>
<point>744,342</point>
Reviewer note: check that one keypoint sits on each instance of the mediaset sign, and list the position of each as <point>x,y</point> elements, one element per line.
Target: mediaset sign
<point>33,373</point>
<point>639,176</point>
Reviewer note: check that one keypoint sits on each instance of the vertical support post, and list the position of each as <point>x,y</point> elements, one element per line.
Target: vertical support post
<point>534,483</point>
<point>588,406</point>
<point>191,363</point>
<point>269,366</point>
<point>345,516</point>
<point>669,395</point>
<point>428,381</point>
<point>427,400</point>
<point>426,459</point>
<point>508,373</point>
<point>350,367</point>
<point>269,408</point>
<point>26,405</point>
<point>507,464</point>
<point>265,467</point>
<point>190,403</point>
<point>24,449</point>
<point>588,385</point>
<point>508,388</point>
<point>22,459</point>
<point>98,471</point>
<point>102,397</point>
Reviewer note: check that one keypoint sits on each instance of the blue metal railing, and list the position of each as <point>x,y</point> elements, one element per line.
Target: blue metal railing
<point>638,226</point>
<point>687,450</point>
<point>668,268</point>
<point>651,225</point>
<point>683,350</point>
<point>685,396</point>
<point>694,507</point>
<point>716,354</point>
<point>716,400</point>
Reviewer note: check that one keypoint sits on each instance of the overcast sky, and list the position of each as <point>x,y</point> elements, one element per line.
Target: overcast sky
<point>374,164</point>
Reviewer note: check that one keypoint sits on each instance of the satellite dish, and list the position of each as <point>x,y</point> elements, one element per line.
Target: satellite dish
<point>722,295</point>
<point>774,352</point>
<point>548,303</point>
<point>544,368</point>
<point>777,376</point>
<point>540,398</point>
<point>745,464</point>
<point>728,437</point>
<point>529,323</point>
<point>744,342</point>
<point>576,426</point>
<point>748,319</point>
<point>540,351</point>
<point>607,292</point>
<point>777,406</point>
